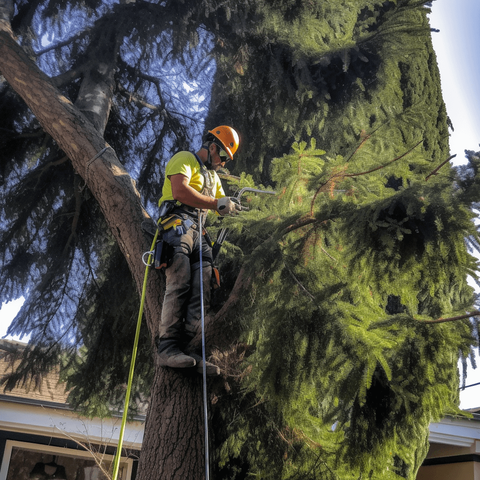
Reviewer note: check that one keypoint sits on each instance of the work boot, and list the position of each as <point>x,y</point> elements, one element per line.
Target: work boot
<point>169,355</point>
<point>179,360</point>
<point>211,369</point>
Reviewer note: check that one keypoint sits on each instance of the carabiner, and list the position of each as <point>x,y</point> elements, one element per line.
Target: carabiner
<point>143,258</point>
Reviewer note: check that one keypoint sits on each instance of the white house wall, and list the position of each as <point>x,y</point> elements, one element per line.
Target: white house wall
<point>45,420</point>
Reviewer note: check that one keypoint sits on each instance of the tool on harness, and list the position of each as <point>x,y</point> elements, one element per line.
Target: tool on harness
<point>160,257</point>
<point>163,252</point>
<point>215,278</point>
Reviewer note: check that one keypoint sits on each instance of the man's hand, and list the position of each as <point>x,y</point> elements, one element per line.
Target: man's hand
<point>229,206</point>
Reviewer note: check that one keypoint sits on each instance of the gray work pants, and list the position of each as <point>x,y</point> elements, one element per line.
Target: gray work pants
<point>181,310</point>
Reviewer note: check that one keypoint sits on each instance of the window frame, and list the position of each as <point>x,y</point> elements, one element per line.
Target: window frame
<point>61,451</point>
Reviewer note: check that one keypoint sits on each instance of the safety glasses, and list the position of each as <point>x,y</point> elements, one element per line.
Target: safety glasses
<point>222,154</point>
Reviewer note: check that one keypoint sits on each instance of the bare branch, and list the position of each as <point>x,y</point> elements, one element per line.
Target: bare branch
<point>360,145</point>
<point>135,98</point>
<point>385,165</point>
<point>476,313</point>
<point>301,222</point>
<point>297,281</point>
<point>227,176</point>
<point>69,75</point>
<point>156,108</point>
<point>439,167</point>
<point>53,163</point>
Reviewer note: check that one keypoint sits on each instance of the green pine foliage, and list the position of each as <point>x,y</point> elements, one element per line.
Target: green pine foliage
<point>348,68</point>
<point>339,107</point>
<point>347,272</point>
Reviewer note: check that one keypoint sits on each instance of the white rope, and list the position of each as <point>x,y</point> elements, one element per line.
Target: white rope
<point>202,314</point>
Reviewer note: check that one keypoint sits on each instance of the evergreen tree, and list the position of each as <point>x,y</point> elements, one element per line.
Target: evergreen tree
<point>334,368</point>
<point>350,278</point>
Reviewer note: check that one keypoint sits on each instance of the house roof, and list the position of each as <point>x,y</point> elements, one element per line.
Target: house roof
<point>457,431</point>
<point>48,388</point>
<point>43,410</point>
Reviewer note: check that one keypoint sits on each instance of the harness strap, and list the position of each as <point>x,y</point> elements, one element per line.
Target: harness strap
<point>207,179</point>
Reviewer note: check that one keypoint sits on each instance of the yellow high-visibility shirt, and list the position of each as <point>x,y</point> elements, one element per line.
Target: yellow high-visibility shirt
<point>186,164</point>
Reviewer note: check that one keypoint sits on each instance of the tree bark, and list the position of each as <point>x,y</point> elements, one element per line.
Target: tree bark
<point>173,446</point>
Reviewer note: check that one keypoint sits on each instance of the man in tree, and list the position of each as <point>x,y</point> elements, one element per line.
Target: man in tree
<point>346,275</point>
<point>191,185</point>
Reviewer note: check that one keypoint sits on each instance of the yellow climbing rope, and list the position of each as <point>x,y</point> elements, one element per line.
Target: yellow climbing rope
<point>118,455</point>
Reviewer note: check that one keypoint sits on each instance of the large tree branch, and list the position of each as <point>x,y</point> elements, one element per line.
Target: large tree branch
<point>221,329</point>
<point>106,178</point>
<point>69,75</point>
<point>55,46</point>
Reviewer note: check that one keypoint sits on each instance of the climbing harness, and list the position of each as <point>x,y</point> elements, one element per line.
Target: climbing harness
<point>162,252</point>
<point>208,183</point>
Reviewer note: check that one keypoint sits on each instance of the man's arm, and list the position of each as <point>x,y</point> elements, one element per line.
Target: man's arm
<point>187,195</point>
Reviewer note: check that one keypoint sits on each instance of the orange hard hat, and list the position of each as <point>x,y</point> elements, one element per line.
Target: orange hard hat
<point>228,138</point>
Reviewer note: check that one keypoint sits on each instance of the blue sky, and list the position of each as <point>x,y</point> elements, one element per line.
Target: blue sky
<point>457,46</point>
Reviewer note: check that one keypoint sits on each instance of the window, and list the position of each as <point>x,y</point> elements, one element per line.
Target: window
<point>23,460</point>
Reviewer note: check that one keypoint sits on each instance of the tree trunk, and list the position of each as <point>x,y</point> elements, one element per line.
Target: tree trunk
<point>174,439</point>
<point>173,445</point>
